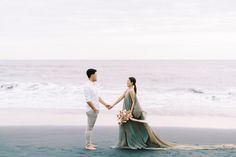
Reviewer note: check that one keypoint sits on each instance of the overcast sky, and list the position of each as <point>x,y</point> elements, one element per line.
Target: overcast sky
<point>117,29</point>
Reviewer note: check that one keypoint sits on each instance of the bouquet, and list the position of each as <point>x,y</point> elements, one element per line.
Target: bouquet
<point>123,116</point>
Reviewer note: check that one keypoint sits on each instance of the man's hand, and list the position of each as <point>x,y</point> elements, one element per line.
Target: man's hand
<point>104,103</point>
<point>90,103</point>
<point>96,110</point>
<point>108,106</point>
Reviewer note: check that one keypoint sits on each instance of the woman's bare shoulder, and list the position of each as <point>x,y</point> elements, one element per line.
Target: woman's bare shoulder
<point>131,91</point>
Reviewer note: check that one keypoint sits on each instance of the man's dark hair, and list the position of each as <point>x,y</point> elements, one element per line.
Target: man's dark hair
<point>91,72</point>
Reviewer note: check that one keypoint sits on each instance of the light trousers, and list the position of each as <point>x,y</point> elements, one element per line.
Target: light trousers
<point>91,119</point>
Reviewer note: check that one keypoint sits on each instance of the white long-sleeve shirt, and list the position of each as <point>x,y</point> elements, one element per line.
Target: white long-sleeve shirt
<point>91,94</point>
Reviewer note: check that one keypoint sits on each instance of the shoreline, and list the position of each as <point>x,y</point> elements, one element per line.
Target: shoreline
<point>107,136</point>
<point>75,117</point>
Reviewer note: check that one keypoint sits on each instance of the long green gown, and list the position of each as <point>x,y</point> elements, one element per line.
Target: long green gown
<point>138,135</point>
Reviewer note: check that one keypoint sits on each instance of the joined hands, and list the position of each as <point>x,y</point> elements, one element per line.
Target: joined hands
<point>108,106</point>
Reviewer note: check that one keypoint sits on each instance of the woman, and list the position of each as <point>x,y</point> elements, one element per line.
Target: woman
<point>136,133</point>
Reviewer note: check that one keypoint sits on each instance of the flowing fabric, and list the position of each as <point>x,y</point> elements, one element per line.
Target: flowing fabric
<point>137,134</point>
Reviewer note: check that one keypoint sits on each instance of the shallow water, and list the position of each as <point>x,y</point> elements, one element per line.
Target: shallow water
<point>52,141</point>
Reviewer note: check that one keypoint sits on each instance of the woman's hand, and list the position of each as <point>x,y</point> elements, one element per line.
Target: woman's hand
<point>108,106</point>
<point>111,106</point>
<point>130,114</point>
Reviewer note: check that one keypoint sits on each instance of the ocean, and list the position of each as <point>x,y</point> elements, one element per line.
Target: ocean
<point>165,88</point>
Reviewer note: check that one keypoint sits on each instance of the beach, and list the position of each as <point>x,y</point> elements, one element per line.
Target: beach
<point>77,117</point>
<point>170,64</point>
<point>64,141</point>
<point>42,107</point>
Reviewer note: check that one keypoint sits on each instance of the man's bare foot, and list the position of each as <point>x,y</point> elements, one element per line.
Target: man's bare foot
<point>94,145</point>
<point>90,147</point>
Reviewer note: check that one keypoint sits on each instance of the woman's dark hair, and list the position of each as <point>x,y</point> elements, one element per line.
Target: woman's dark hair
<point>133,80</point>
<point>91,72</point>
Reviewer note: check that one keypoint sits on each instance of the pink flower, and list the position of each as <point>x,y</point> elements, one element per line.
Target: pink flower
<point>123,116</point>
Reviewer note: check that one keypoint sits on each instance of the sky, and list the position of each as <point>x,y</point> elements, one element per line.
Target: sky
<point>117,29</point>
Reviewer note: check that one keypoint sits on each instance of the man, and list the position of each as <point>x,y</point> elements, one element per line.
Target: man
<point>92,106</point>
